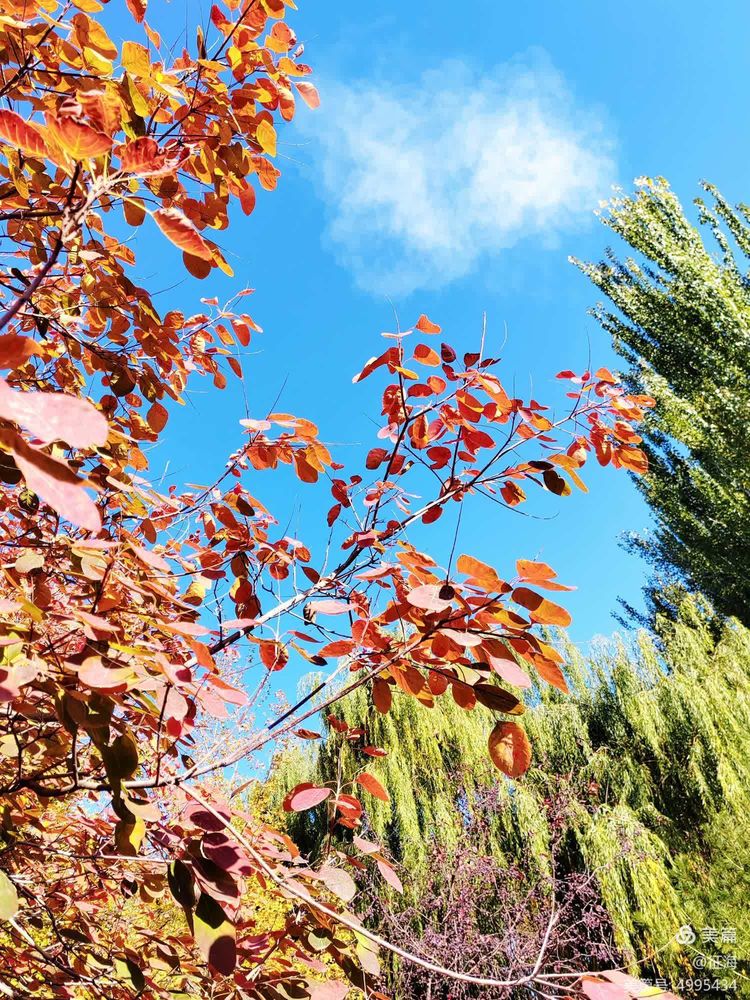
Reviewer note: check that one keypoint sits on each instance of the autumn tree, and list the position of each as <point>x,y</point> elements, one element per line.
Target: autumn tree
<point>131,619</point>
<point>678,312</point>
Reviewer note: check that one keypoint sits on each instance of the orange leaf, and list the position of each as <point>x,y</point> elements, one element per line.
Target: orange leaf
<point>541,610</point>
<point>510,749</point>
<point>157,417</point>
<point>540,574</point>
<point>373,786</point>
<point>14,350</point>
<point>77,139</point>
<point>247,199</point>
<point>551,673</point>
<point>426,355</point>
<point>136,60</point>
<point>512,494</point>
<point>633,459</point>
<point>425,325</point>
<point>181,231</point>
<point>21,134</point>
<point>141,156</point>
<point>381,695</point>
<point>479,573</point>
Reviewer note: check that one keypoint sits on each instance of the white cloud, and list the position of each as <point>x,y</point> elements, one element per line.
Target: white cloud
<point>423,180</point>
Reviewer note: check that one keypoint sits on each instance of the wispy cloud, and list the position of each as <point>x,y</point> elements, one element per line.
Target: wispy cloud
<point>423,181</point>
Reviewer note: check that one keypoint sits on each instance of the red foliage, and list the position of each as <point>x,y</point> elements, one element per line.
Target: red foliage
<point>111,673</point>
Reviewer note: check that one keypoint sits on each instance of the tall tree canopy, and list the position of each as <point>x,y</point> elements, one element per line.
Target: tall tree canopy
<point>679,314</point>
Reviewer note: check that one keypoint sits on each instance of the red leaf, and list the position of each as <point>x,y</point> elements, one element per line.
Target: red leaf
<point>597,989</point>
<point>373,786</point>
<point>197,814</point>
<point>273,655</point>
<point>181,231</point>
<point>305,796</point>
<point>137,8</point>
<point>56,484</point>
<point>375,457</point>
<point>197,266</point>
<point>432,515</point>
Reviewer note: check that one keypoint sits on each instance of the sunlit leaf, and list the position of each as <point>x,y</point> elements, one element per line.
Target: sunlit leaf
<point>181,231</point>
<point>510,750</point>
<point>22,134</point>
<point>373,786</point>
<point>305,796</point>
<point>215,935</point>
<point>8,898</point>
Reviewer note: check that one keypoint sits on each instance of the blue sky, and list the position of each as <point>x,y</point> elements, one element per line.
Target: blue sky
<point>455,163</point>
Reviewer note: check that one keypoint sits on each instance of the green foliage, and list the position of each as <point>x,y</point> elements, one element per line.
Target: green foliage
<point>680,316</point>
<point>650,752</point>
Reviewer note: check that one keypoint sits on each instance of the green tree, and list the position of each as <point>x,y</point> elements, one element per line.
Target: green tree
<point>650,752</point>
<point>679,314</point>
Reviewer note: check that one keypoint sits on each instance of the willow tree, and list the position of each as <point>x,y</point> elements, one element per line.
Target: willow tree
<point>647,760</point>
<point>679,314</point>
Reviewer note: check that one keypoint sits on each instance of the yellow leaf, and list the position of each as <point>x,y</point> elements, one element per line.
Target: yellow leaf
<point>128,836</point>
<point>266,137</point>
<point>135,59</point>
